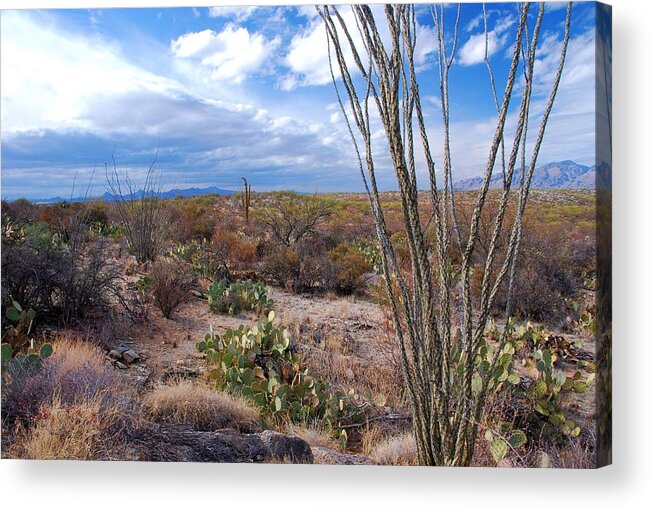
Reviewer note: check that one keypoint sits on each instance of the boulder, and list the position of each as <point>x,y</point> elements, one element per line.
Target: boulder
<point>129,356</point>
<point>175,443</point>
<point>282,447</point>
<point>115,354</point>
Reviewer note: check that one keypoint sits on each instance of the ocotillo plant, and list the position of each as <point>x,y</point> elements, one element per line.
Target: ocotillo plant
<point>439,326</point>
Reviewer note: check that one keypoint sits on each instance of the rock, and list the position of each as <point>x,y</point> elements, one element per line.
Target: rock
<point>130,356</point>
<point>143,375</point>
<point>282,446</point>
<point>180,372</point>
<point>121,365</point>
<point>115,354</point>
<point>174,443</point>
<point>327,456</point>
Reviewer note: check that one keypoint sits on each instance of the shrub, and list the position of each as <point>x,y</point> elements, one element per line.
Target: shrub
<point>240,251</point>
<point>303,267</point>
<point>68,280</point>
<point>86,282</point>
<point>349,267</point>
<point>291,217</point>
<point>237,296</point>
<point>138,301</point>
<point>259,364</point>
<point>170,285</point>
<point>192,219</point>
<point>199,406</point>
<point>205,259</point>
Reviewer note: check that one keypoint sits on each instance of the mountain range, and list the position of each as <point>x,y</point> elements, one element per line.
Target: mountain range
<point>170,194</point>
<point>554,175</point>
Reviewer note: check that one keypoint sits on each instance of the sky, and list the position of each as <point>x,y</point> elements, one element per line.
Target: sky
<point>224,92</point>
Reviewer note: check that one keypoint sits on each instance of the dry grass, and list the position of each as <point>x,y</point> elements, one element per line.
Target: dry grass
<point>76,372</point>
<point>204,409</point>
<point>576,454</point>
<point>396,451</point>
<point>84,431</point>
<point>371,437</point>
<point>333,358</point>
<point>314,436</point>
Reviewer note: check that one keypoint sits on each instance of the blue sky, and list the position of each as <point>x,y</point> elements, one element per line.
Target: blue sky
<point>230,92</point>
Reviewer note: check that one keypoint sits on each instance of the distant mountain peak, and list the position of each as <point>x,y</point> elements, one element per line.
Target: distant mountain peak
<point>565,174</point>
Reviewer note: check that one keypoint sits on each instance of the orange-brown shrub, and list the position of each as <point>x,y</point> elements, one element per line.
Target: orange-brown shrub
<point>240,251</point>
<point>193,219</point>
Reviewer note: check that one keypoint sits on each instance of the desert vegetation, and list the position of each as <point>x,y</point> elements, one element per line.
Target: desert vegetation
<point>423,326</point>
<point>221,338</point>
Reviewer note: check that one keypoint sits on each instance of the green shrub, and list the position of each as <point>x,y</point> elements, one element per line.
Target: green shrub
<point>259,364</point>
<point>234,297</point>
<point>349,267</point>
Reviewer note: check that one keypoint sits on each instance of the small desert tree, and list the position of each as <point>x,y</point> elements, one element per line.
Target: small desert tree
<point>291,217</point>
<point>143,214</point>
<point>439,341</point>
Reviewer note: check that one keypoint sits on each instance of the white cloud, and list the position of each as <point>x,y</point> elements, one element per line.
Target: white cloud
<point>238,13</point>
<point>475,22</point>
<point>49,78</point>
<point>555,6</point>
<point>307,57</point>
<point>474,49</point>
<point>232,54</point>
<point>307,11</point>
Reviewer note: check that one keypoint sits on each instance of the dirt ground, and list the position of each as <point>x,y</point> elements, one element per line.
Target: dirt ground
<point>168,346</point>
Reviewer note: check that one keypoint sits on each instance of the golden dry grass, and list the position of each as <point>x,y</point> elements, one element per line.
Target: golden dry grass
<point>201,407</point>
<point>395,451</point>
<point>370,438</point>
<point>314,436</point>
<point>79,432</point>
<point>73,354</point>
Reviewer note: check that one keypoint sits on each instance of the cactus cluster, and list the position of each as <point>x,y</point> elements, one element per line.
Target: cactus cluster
<point>495,372</point>
<point>17,347</point>
<point>506,439</point>
<point>234,297</point>
<point>12,233</point>
<point>545,393</point>
<point>259,364</point>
